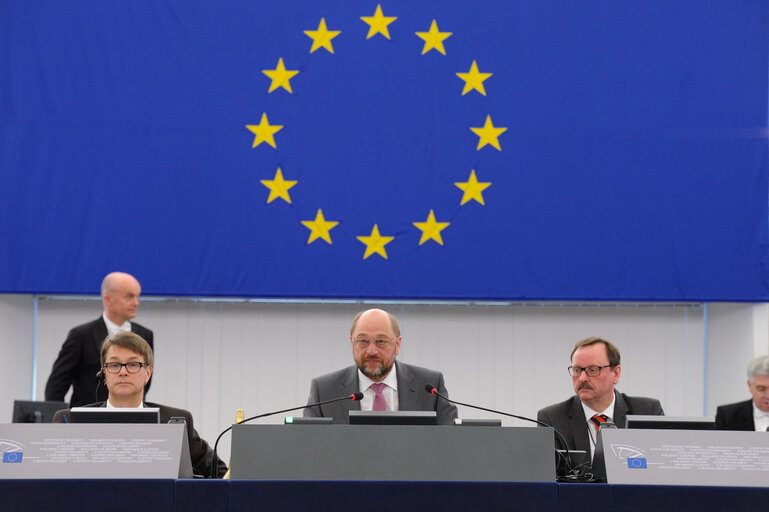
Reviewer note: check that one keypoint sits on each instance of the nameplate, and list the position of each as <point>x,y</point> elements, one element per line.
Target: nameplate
<point>683,457</point>
<point>94,451</point>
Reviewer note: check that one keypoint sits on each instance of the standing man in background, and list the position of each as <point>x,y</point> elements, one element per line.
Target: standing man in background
<point>79,358</point>
<point>595,370</point>
<point>751,414</point>
<point>386,384</point>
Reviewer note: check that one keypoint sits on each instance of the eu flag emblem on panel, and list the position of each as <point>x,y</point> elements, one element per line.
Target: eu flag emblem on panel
<point>12,456</point>
<point>636,462</point>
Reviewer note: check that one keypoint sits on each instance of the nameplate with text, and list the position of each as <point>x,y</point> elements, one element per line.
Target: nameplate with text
<point>94,451</point>
<point>683,457</point>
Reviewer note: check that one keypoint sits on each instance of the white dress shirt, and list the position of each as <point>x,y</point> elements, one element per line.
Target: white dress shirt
<point>760,419</point>
<point>390,391</point>
<point>112,327</point>
<point>592,428</point>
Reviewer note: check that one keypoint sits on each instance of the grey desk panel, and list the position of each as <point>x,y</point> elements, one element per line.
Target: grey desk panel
<point>388,452</point>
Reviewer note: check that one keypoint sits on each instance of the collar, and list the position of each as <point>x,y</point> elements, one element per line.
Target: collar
<point>758,413</point>
<point>109,405</point>
<point>112,327</point>
<point>609,411</point>
<point>391,380</point>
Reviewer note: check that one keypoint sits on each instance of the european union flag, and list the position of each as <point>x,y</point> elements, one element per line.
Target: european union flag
<point>636,462</point>
<point>12,456</point>
<point>387,149</point>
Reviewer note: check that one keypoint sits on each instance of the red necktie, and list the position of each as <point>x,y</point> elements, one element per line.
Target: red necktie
<point>379,400</point>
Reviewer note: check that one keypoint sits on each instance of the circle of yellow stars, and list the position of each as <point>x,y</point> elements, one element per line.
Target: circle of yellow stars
<point>378,25</point>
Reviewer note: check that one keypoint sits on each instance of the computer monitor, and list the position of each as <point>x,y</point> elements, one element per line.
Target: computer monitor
<point>114,415</point>
<point>30,411</point>
<point>670,422</point>
<point>393,418</point>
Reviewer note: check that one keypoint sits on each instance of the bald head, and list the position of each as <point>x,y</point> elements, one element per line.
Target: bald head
<point>375,313</point>
<point>120,295</point>
<point>375,339</point>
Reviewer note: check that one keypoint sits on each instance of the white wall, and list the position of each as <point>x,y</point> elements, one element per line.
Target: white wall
<point>213,357</point>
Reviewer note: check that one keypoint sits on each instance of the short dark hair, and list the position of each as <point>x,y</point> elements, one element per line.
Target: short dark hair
<point>129,340</point>
<point>611,350</point>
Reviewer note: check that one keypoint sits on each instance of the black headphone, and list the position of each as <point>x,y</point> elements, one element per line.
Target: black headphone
<point>100,376</point>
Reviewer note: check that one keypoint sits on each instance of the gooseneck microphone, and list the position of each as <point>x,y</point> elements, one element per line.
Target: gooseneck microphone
<point>99,379</point>
<point>355,396</point>
<point>433,391</point>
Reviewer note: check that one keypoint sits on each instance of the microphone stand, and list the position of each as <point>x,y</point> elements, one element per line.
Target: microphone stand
<point>433,391</point>
<point>354,396</point>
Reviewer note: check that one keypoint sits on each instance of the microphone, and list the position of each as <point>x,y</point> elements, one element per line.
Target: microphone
<point>99,379</point>
<point>355,396</point>
<point>433,391</point>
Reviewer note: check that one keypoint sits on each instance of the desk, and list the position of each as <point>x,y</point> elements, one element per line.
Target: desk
<point>292,496</point>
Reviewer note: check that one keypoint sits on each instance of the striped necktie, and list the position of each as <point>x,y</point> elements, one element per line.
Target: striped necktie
<point>599,419</point>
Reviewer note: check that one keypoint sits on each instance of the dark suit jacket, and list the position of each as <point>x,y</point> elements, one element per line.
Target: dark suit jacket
<point>737,416</point>
<point>201,454</point>
<point>79,361</point>
<point>568,417</point>
<point>411,393</point>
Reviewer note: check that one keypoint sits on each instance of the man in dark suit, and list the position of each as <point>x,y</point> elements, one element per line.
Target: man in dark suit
<point>78,360</point>
<point>751,414</point>
<point>127,366</point>
<point>595,370</point>
<point>386,384</point>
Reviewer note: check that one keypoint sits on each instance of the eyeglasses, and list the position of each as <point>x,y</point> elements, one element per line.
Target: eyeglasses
<point>132,367</point>
<point>592,371</point>
<point>378,343</point>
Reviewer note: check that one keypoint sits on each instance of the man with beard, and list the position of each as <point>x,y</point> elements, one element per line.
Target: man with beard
<point>595,369</point>
<point>386,384</point>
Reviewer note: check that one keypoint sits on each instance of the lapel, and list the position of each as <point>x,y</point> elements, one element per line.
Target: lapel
<point>745,417</point>
<point>99,333</point>
<point>578,426</point>
<point>620,410</point>
<point>348,384</point>
<point>408,396</point>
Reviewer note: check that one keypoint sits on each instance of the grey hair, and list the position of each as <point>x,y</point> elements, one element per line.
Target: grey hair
<point>758,366</point>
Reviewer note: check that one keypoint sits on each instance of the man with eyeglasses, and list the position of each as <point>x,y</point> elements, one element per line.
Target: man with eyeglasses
<point>126,367</point>
<point>595,370</point>
<point>386,384</point>
<point>751,414</point>
<point>78,359</point>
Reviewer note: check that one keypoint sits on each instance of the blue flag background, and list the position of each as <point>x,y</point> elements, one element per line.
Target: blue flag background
<point>633,163</point>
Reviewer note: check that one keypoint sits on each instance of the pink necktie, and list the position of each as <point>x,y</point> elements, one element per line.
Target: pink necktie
<point>379,400</point>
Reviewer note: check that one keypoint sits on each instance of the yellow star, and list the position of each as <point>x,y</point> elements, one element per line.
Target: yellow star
<point>472,189</point>
<point>474,80</point>
<point>488,134</point>
<point>278,187</point>
<point>280,76</point>
<point>319,227</point>
<point>431,230</point>
<point>377,24</point>
<point>322,37</point>
<point>375,243</point>
<point>264,131</point>
<point>433,39</point>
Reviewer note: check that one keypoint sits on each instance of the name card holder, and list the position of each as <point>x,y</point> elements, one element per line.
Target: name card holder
<point>88,450</point>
